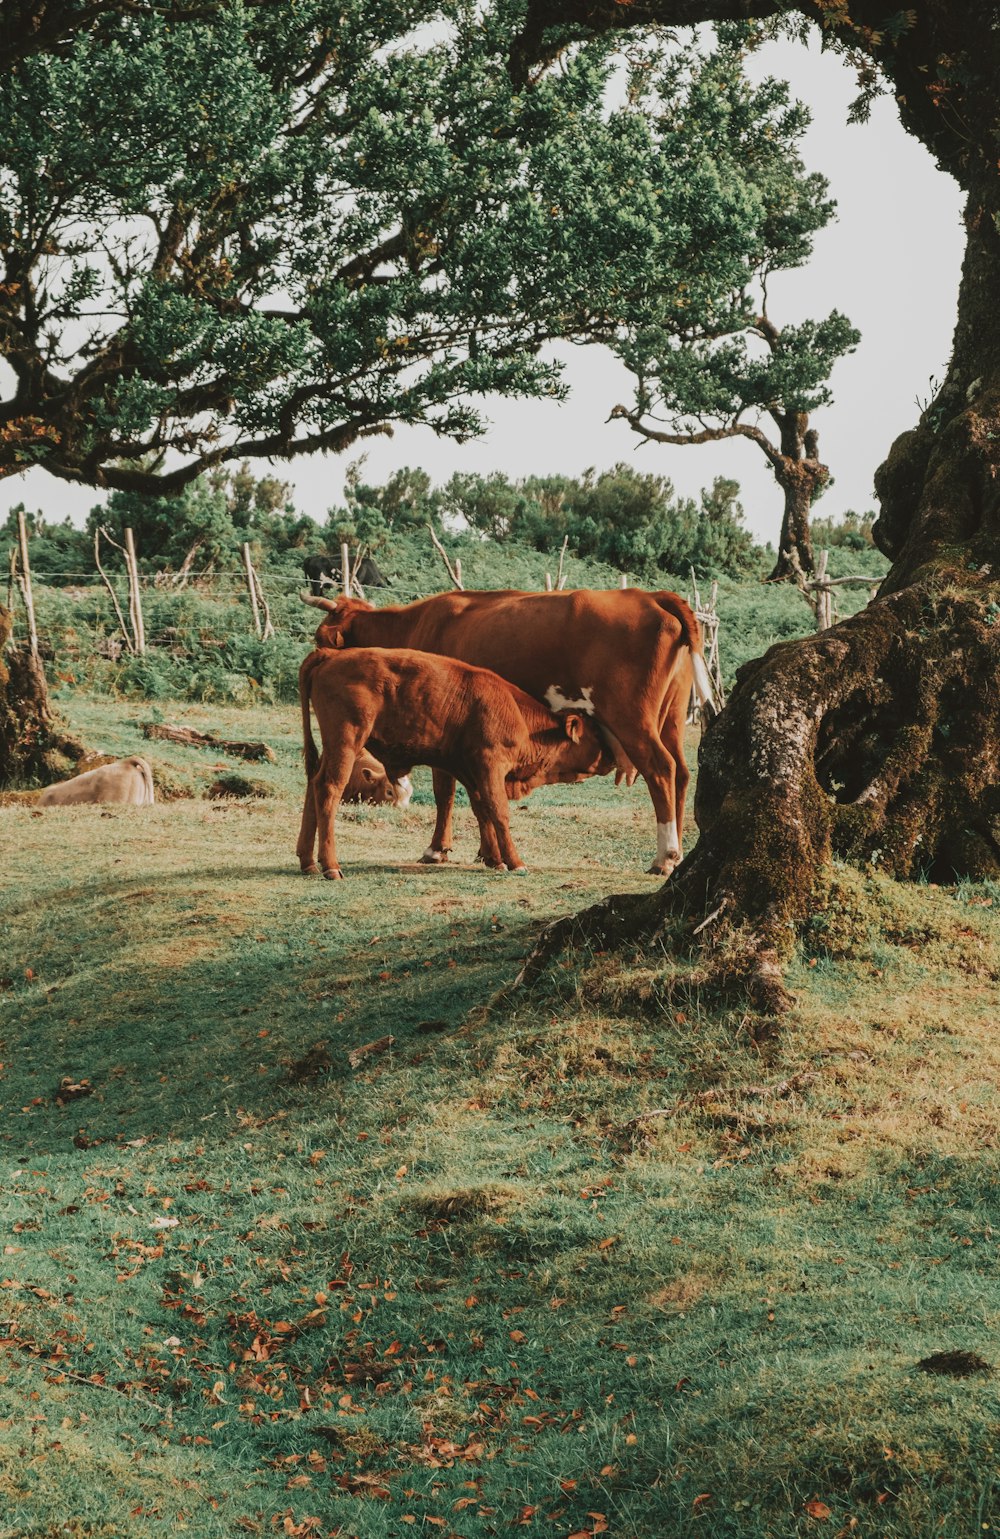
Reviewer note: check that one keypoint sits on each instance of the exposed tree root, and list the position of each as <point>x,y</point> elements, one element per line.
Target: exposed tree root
<point>620,917</point>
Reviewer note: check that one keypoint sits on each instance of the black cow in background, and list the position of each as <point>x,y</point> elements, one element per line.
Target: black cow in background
<point>324,572</point>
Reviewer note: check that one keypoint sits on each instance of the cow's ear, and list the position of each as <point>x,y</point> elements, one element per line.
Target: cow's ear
<point>369,774</point>
<point>573,726</point>
<point>340,639</point>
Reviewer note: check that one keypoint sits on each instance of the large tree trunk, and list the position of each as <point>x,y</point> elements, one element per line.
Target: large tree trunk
<point>881,737</point>
<point>801,476</point>
<point>878,739</point>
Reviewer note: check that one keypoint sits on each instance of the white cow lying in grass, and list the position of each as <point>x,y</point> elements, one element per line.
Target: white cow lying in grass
<point>128,782</point>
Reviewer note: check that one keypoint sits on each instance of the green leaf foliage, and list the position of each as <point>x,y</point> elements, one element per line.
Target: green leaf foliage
<point>628,520</point>
<point>706,357</point>
<point>265,230</point>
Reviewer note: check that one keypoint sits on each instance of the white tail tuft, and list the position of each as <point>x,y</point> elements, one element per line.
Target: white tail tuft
<point>703,683</point>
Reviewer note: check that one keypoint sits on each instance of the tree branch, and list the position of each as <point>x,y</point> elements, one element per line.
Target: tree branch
<point>705,436</point>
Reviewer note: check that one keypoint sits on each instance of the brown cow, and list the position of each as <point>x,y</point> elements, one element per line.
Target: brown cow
<point>370,783</point>
<point>419,709</point>
<point>624,657</point>
<point>128,782</point>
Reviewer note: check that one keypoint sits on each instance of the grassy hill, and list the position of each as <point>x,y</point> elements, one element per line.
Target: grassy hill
<point>313,1227</point>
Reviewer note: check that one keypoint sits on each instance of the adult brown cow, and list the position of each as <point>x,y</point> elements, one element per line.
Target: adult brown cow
<point>415,708</point>
<point>625,657</point>
<point>129,782</point>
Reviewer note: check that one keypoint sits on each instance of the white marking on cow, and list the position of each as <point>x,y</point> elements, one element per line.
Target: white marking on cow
<point>557,701</point>
<point>702,681</point>
<point>403,792</point>
<point>667,847</point>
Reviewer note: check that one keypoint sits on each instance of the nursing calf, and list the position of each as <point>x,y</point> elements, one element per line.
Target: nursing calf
<point>414,708</point>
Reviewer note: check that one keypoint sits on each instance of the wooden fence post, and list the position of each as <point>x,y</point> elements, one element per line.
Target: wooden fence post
<point>454,572</point>
<point>548,582</point>
<point>135,601</point>
<point>824,594</point>
<point>818,591</point>
<point>25,582</point>
<point>560,574</point>
<point>345,569</point>
<point>267,630</point>
<point>708,620</point>
<point>107,583</point>
<point>624,581</point>
<point>251,586</point>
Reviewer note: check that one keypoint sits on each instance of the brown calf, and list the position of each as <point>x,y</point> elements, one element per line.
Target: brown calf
<point>415,708</point>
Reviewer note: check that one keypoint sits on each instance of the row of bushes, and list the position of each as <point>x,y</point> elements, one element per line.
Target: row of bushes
<point>621,518</point>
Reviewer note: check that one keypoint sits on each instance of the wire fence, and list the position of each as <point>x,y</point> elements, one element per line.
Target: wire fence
<point>203,638</point>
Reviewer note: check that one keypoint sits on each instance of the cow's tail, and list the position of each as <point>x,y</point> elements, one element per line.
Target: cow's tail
<point>147,779</point>
<point>682,612</point>
<point>309,752</point>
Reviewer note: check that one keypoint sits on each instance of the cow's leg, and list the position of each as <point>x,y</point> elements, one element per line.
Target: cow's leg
<point>328,786</point>
<point>489,848</point>
<point>440,846</point>
<point>673,719</point>
<point>683,776</point>
<point>661,771</point>
<point>305,847</point>
<point>494,822</point>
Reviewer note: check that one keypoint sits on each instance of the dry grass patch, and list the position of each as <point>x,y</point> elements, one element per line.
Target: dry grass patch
<point>440,1205</point>
<point>677,1296</point>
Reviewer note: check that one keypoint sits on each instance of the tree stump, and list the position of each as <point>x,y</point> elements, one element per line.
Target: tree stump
<point>32,744</point>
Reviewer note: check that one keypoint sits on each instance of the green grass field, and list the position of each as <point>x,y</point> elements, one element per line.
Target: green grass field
<point>602,1259</point>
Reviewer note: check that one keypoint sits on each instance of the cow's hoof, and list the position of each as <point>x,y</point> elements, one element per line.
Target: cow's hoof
<point>334,874</point>
<point>312,870</point>
<point>433,857</point>
<point>664,868</point>
<point>518,870</point>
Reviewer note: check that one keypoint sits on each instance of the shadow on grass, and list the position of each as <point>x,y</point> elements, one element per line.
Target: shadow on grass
<point>225,1028</point>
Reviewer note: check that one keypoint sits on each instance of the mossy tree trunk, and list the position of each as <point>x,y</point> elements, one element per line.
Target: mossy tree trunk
<point>879,738</point>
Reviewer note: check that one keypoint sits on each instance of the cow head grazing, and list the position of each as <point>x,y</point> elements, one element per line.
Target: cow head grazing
<point>341,614</point>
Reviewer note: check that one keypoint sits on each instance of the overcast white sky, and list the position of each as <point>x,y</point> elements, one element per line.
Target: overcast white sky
<point>890,262</point>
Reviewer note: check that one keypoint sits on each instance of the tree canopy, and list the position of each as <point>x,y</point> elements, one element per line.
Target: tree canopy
<point>711,364</point>
<point>241,230</point>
